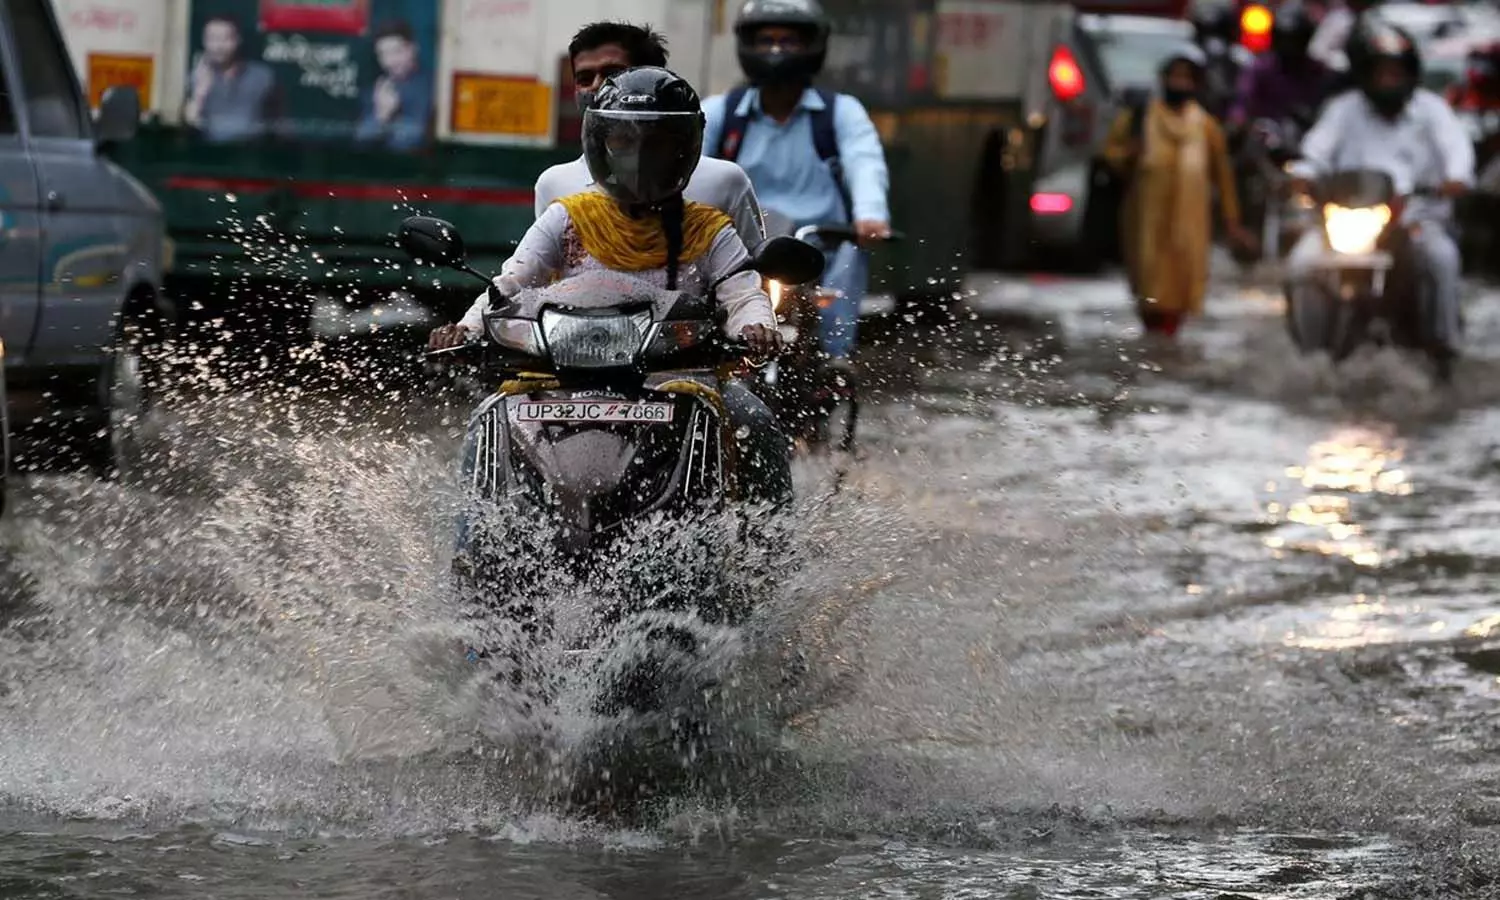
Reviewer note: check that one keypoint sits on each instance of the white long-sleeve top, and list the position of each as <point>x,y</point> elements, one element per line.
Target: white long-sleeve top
<point>551,248</point>
<point>1425,146</point>
<point>716,182</point>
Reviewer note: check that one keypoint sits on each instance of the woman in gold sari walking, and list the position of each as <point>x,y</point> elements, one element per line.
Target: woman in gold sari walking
<point>1174,154</point>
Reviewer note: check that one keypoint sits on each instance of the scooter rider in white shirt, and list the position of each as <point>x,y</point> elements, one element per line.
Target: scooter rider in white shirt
<point>1391,124</point>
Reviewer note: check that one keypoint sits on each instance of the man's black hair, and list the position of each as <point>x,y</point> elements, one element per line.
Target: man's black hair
<point>231,21</point>
<point>644,45</point>
<point>395,28</point>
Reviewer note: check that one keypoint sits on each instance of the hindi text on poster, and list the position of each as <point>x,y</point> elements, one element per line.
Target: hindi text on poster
<point>499,105</point>
<point>107,70</point>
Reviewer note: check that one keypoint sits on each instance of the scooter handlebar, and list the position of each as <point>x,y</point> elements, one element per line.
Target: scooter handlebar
<point>838,234</point>
<point>447,354</point>
<point>730,349</point>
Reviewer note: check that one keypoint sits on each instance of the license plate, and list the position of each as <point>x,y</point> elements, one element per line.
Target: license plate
<point>594,411</point>
<point>1354,261</point>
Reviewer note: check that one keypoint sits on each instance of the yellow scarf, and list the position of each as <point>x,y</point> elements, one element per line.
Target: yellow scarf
<point>625,244</point>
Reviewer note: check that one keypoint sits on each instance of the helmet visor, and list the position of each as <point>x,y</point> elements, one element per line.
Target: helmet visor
<point>642,157</point>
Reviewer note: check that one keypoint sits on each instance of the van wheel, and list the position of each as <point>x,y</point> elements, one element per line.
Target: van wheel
<point>4,439</point>
<point>127,398</point>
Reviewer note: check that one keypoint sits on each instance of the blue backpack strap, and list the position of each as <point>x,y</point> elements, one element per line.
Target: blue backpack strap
<point>732,134</point>
<point>826,141</point>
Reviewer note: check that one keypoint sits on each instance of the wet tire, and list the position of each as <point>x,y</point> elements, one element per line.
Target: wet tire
<point>1318,321</point>
<point>4,439</point>
<point>128,386</point>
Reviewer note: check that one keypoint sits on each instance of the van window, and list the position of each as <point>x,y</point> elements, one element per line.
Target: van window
<point>53,106</point>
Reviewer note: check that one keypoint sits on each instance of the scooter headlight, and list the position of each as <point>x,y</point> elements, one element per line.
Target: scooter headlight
<point>594,342</point>
<point>1354,230</point>
<point>515,334</point>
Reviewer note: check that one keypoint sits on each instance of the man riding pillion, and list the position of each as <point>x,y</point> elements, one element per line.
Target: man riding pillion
<point>1392,124</point>
<point>602,49</point>
<point>1286,82</point>
<point>642,139</point>
<point>813,155</point>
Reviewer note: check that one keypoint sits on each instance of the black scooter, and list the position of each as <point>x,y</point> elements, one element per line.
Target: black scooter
<point>606,425</point>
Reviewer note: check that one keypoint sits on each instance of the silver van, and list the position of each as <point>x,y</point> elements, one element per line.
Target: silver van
<point>81,257</point>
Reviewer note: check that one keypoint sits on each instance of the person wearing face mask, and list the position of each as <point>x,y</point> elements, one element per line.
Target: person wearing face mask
<point>814,155</point>
<point>602,49</point>
<point>1392,124</point>
<point>1173,153</point>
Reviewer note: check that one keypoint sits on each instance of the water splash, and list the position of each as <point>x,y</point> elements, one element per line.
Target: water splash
<point>265,632</point>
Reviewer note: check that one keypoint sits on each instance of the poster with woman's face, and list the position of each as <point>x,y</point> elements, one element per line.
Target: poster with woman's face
<point>335,71</point>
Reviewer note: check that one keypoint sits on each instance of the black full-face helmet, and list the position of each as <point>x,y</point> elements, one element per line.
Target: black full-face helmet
<point>643,135</point>
<point>1293,30</point>
<point>1215,22</point>
<point>769,65</point>
<point>1373,42</point>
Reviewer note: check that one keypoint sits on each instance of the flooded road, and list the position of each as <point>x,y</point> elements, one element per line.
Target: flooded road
<point>1089,619</point>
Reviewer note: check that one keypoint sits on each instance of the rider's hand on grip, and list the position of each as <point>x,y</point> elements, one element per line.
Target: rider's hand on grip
<point>762,340</point>
<point>446,337</point>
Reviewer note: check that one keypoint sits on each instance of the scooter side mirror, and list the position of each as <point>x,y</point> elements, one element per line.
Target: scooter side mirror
<point>436,242</point>
<point>788,260</point>
<point>433,241</point>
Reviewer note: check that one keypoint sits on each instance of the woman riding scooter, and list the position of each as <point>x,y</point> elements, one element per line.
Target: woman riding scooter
<point>642,138</point>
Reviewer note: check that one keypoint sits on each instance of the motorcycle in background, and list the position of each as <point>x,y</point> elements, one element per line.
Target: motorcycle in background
<point>1364,288</point>
<point>817,403</point>
<point>1270,147</point>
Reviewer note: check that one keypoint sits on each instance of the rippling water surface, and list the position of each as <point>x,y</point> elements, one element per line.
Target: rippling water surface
<point>1089,619</point>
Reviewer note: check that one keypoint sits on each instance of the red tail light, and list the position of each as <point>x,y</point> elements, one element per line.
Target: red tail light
<point>1256,22</point>
<point>1051,204</point>
<point>1065,76</point>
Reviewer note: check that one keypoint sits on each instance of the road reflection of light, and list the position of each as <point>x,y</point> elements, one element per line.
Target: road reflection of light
<point>1484,627</point>
<point>1354,624</point>
<point>1352,461</point>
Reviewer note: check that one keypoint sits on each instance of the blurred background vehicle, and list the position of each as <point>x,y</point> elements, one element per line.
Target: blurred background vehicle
<point>81,297</point>
<point>1104,64</point>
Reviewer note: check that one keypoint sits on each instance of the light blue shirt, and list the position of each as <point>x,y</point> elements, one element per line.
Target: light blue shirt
<point>784,167</point>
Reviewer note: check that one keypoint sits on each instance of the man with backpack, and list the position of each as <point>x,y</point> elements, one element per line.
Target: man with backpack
<point>813,155</point>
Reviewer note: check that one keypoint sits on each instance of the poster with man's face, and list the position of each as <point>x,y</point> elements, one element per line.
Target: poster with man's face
<point>358,72</point>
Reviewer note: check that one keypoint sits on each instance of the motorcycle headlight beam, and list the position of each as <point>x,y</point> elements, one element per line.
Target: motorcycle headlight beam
<point>594,342</point>
<point>1354,230</point>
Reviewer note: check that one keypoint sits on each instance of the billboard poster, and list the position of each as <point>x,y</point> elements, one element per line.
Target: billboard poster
<point>339,71</point>
<point>495,50</point>
<point>115,43</point>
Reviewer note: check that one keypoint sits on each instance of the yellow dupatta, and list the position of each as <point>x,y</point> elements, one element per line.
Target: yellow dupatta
<point>625,244</point>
